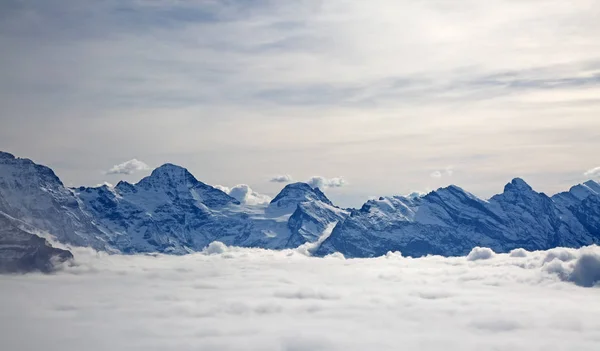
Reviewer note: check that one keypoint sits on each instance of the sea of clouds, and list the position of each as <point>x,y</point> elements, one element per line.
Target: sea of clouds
<point>228,298</point>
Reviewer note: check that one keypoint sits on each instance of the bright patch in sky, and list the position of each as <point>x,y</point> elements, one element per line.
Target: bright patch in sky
<point>250,299</point>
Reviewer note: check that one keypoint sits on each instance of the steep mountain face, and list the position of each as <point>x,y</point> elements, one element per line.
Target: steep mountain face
<point>22,252</point>
<point>451,222</point>
<point>293,194</point>
<point>171,211</point>
<point>35,195</point>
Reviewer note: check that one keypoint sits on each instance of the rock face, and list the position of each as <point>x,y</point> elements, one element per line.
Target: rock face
<point>170,211</point>
<point>451,221</point>
<point>22,252</point>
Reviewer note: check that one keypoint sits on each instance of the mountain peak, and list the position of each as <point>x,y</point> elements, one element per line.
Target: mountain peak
<point>6,155</point>
<point>518,185</point>
<point>300,191</point>
<point>293,194</point>
<point>594,185</point>
<point>169,175</point>
<point>169,169</point>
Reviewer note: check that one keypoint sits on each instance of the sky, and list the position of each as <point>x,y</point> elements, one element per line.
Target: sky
<point>229,298</point>
<point>380,97</point>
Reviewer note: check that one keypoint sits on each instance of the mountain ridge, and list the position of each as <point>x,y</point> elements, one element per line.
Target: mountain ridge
<point>170,211</point>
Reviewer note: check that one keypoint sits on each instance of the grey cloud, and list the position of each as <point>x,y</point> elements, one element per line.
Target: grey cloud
<point>284,178</point>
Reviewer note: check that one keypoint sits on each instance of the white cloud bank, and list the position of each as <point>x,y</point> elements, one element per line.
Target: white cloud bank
<point>244,194</point>
<point>251,299</point>
<point>323,183</point>
<point>128,167</point>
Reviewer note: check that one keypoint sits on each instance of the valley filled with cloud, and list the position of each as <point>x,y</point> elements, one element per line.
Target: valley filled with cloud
<point>228,298</point>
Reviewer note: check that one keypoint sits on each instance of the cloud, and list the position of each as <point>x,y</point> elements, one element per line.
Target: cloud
<point>323,183</point>
<point>285,178</point>
<point>594,172</point>
<point>480,253</point>
<point>518,253</point>
<point>244,194</point>
<point>438,174</point>
<point>128,167</point>
<point>230,298</point>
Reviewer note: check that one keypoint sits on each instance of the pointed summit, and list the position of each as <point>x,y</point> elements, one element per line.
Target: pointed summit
<point>593,185</point>
<point>517,185</point>
<point>170,176</point>
<point>293,194</point>
<point>6,155</point>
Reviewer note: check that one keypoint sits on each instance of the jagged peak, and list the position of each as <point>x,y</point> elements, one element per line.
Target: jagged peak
<point>170,175</point>
<point>6,155</point>
<point>449,192</point>
<point>519,185</point>
<point>300,191</point>
<point>124,185</point>
<point>594,185</point>
<point>452,189</point>
<point>581,191</point>
<point>44,173</point>
<point>170,169</point>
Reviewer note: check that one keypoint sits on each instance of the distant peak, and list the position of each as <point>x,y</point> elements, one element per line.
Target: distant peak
<point>299,186</point>
<point>169,167</point>
<point>298,192</point>
<point>593,185</point>
<point>168,175</point>
<point>6,155</point>
<point>449,189</point>
<point>171,171</point>
<point>517,184</point>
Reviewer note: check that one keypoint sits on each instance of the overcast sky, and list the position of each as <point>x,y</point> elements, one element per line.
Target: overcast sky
<point>391,96</point>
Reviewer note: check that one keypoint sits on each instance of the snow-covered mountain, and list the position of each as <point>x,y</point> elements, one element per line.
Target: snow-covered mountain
<point>170,211</point>
<point>34,194</point>
<point>451,221</point>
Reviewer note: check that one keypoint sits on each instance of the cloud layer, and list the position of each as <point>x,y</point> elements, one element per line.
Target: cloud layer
<point>128,167</point>
<point>250,299</point>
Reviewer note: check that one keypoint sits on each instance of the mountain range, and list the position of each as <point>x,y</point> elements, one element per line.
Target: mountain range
<point>172,212</point>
